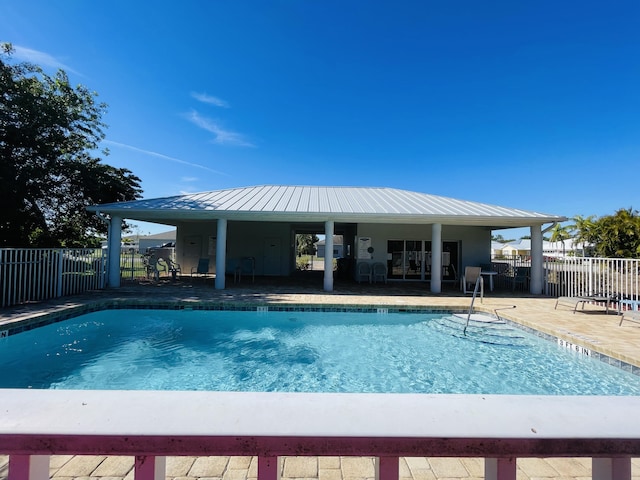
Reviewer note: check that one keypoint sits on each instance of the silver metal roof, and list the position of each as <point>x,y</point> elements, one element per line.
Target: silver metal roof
<point>314,204</point>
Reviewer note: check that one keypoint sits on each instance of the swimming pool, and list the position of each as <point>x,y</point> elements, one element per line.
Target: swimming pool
<point>299,351</point>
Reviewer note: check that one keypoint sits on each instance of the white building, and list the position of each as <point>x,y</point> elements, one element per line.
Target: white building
<point>419,237</point>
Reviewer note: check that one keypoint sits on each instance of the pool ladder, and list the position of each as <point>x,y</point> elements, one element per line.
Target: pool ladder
<point>473,299</point>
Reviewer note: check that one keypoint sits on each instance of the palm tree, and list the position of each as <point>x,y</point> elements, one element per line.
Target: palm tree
<point>618,235</point>
<point>560,234</point>
<point>584,231</point>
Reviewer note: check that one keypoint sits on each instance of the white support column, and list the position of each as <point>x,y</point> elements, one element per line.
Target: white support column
<point>328,255</point>
<point>150,468</point>
<point>537,268</point>
<point>114,240</point>
<point>436,258</point>
<point>221,253</point>
<point>611,468</point>
<point>28,467</point>
<point>500,468</point>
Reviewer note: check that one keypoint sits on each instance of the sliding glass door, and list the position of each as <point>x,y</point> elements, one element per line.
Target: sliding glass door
<point>411,260</point>
<point>405,259</point>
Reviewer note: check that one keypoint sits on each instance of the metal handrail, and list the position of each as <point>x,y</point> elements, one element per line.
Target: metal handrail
<point>473,299</point>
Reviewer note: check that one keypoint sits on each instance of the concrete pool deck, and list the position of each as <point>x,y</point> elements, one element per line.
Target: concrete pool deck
<point>591,329</point>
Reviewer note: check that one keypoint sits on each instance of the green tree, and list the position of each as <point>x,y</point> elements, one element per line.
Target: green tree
<point>305,243</point>
<point>560,233</point>
<point>49,133</point>
<point>583,232</point>
<point>618,235</point>
<point>500,239</point>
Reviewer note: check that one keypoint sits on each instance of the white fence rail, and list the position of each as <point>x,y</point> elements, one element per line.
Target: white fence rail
<point>34,274</point>
<point>573,276</point>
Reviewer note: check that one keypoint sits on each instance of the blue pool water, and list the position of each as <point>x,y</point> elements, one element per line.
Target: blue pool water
<point>299,352</point>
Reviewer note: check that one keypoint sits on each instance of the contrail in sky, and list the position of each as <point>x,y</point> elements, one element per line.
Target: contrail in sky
<point>165,157</point>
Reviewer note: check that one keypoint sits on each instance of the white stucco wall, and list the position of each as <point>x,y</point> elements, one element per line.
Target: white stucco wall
<point>193,241</point>
<point>272,244</point>
<point>474,242</point>
<point>268,243</point>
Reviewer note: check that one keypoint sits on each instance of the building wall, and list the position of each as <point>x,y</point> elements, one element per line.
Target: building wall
<point>268,243</point>
<point>193,242</point>
<point>474,242</point>
<point>272,244</point>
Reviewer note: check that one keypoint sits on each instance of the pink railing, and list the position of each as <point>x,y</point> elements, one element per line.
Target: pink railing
<point>151,425</point>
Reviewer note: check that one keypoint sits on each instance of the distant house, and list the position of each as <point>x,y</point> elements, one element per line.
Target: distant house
<point>158,240</point>
<point>497,249</point>
<point>522,248</point>
<point>338,249</point>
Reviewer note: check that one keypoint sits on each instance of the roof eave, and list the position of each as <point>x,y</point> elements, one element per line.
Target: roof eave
<point>173,217</point>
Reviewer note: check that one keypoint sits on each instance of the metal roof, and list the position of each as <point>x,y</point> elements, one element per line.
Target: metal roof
<point>314,204</point>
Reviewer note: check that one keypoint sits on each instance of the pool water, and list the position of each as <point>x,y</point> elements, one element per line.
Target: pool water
<point>299,352</point>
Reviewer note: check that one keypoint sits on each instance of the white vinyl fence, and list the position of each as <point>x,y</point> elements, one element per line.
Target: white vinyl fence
<point>34,274</point>
<point>573,276</point>
<point>583,276</point>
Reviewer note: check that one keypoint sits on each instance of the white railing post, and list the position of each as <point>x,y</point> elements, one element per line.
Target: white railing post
<point>500,468</point>
<point>28,467</point>
<point>618,468</point>
<point>148,467</point>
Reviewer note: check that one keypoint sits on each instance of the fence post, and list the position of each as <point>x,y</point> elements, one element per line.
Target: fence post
<point>59,273</point>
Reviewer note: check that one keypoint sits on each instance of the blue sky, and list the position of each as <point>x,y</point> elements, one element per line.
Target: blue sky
<point>524,104</point>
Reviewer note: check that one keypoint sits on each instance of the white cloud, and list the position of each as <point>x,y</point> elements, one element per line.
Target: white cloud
<point>221,136</point>
<point>41,59</point>
<point>165,157</point>
<point>211,100</point>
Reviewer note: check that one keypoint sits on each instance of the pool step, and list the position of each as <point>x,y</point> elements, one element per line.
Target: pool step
<point>481,328</point>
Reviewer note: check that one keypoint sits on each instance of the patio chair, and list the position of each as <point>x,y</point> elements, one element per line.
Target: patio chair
<point>172,267</point>
<point>413,266</point>
<point>630,315</point>
<point>246,266</point>
<point>379,272</point>
<point>469,279</point>
<point>584,299</point>
<point>364,271</point>
<point>202,269</point>
<point>521,277</point>
<point>154,267</point>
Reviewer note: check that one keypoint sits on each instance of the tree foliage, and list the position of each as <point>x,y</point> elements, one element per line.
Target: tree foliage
<point>305,243</point>
<point>560,233</point>
<point>618,235</point>
<point>49,133</point>
<point>610,236</point>
<point>500,239</point>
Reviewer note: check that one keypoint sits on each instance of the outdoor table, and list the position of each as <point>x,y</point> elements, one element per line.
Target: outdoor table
<point>489,274</point>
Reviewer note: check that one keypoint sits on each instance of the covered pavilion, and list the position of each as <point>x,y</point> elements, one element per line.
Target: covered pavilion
<point>439,235</point>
